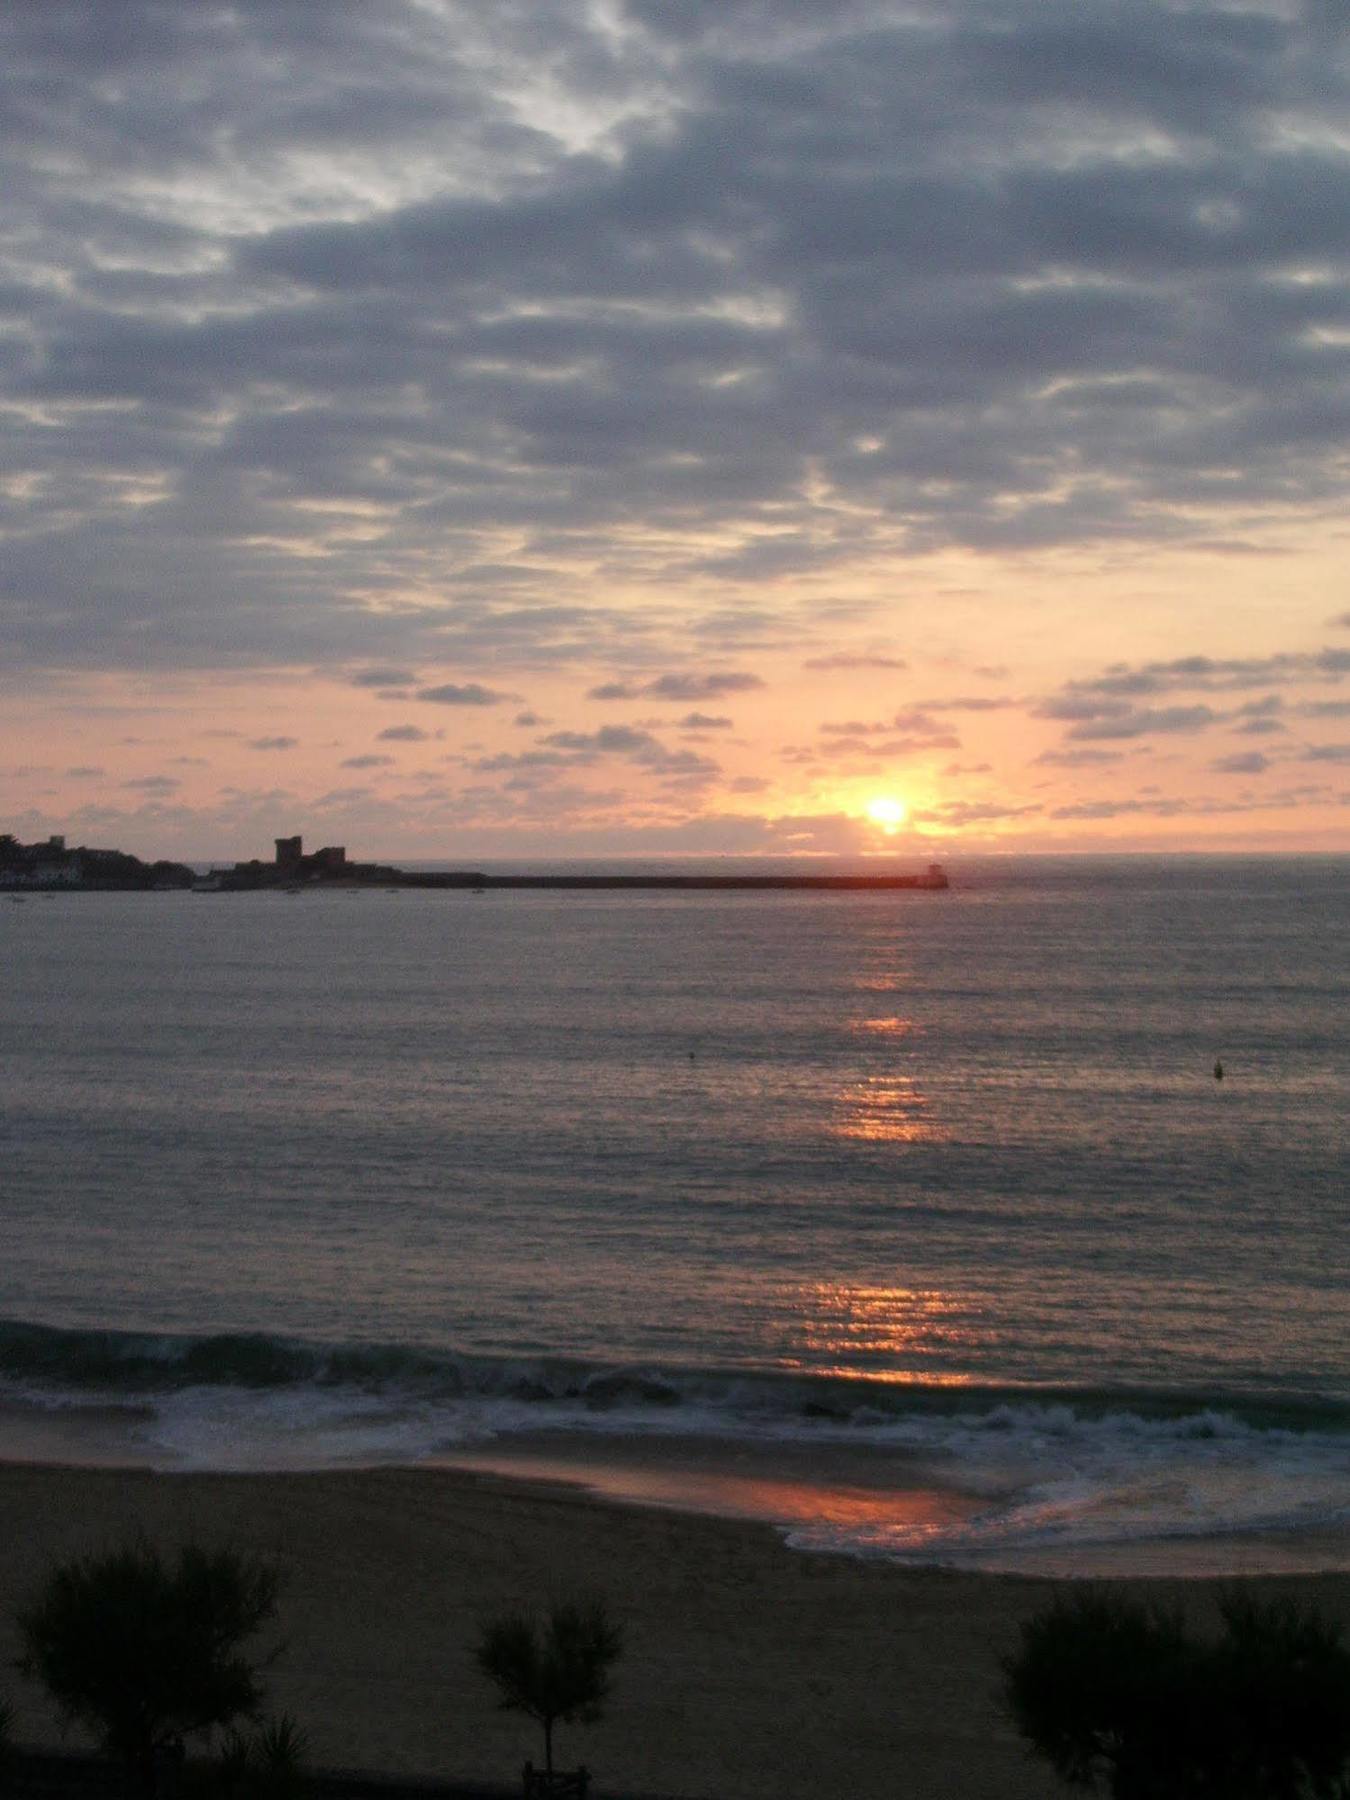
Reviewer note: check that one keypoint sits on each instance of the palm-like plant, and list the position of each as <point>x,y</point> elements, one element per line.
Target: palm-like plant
<point>557,1669</point>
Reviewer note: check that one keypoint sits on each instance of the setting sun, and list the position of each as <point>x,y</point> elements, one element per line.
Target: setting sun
<point>887,812</point>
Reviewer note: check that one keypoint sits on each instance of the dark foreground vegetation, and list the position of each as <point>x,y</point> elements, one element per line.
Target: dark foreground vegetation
<point>147,1651</point>
<point>1125,1698</point>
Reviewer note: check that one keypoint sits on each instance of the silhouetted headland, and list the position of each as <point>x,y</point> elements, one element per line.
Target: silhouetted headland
<point>294,870</point>
<point>51,867</point>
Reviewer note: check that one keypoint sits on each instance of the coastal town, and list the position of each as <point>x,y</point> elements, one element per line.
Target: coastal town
<point>52,867</point>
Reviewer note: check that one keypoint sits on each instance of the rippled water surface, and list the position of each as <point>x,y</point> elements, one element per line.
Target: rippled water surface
<point>889,1155</point>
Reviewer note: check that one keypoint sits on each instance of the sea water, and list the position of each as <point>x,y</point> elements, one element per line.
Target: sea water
<point>800,1204</point>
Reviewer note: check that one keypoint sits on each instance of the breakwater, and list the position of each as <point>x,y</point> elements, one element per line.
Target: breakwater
<point>933,879</point>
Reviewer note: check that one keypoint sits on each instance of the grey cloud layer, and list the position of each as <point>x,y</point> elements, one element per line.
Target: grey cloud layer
<point>1107,707</point>
<point>345,333</point>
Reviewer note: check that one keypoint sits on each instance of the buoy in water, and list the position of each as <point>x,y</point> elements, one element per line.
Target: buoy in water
<point>1218,1071</point>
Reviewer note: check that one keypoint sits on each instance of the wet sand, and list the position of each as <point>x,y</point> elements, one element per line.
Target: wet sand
<point>750,1669</point>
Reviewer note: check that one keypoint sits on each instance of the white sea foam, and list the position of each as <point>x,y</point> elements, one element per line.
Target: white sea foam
<point>1059,1482</point>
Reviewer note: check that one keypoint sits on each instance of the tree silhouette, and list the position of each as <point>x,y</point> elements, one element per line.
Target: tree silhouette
<point>146,1652</point>
<point>556,1670</point>
<point>1120,1695</point>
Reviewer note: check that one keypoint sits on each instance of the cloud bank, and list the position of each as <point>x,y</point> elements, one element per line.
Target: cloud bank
<point>348,333</point>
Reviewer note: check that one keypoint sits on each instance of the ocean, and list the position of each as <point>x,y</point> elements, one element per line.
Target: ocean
<point>916,1223</point>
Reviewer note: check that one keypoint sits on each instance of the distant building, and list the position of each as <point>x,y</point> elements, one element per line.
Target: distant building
<point>293,865</point>
<point>43,865</point>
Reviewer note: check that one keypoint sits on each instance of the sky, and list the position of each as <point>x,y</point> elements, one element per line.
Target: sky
<point>673,427</point>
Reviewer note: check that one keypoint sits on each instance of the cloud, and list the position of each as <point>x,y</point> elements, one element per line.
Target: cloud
<point>349,337</point>
<point>702,687</point>
<point>1333,753</point>
<point>956,815</point>
<point>845,659</point>
<point>614,690</point>
<point>453,694</point>
<point>1105,707</point>
<point>504,760</point>
<point>366,762</point>
<point>919,726</point>
<point>972,703</point>
<point>679,686</point>
<point>153,784</point>
<point>1135,722</point>
<point>1079,758</point>
<point>623,739</point>
<point>697,721</point>
<point>384,678</point>
<point>1194,673</point>
<point>273,743</point>
<point>403,734</point>
<point>907,733</point>
<point>339,797</point>
<point>637,746</point>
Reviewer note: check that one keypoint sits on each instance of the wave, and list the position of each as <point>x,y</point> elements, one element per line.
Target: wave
<point>133,1363</point>
<point>1041,1469</point>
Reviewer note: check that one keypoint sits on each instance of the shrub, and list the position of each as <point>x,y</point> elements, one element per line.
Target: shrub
<point>269,1762</point>
<point>1123,1696</point>
<point>556,1670</point>
<point>145,1652</point>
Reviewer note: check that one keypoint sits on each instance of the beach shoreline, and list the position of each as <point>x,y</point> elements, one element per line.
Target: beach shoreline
<point>750,1669</point>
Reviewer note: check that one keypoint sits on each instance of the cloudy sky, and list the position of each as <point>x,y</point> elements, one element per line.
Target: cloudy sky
<point>652,426</point>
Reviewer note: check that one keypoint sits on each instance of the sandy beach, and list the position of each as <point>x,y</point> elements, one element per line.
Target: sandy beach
<point>750,1669</point>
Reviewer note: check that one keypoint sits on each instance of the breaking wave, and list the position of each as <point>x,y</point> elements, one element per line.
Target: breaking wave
<point>1047,1468</point>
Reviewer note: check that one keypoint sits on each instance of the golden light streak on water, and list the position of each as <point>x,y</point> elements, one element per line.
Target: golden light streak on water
<point>887,1109</point>
<point>867,1328</point>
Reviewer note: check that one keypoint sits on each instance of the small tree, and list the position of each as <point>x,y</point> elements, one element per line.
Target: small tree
<point>1122,1696</point>
<point>557,1670</point>
<point>145,1652</point>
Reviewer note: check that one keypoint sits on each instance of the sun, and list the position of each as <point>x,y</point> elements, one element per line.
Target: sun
<point>888,812</point>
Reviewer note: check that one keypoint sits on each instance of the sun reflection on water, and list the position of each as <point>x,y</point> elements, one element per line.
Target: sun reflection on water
<point>886,1109</point>
<point>885,1333</point>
